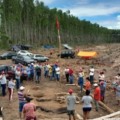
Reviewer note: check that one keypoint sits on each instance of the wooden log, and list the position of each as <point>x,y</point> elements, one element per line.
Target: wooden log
<point>70,84</point>
<point>108,116</point>
<point>78,116</point>
<point>105,106</point>
<point>43,99</point>
<point>61,94</point>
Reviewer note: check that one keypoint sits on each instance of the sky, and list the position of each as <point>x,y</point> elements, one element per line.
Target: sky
<point>106,13</point>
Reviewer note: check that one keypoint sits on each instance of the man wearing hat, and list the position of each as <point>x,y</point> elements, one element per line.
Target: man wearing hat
<point>21,98</point>
<point>29,110</point>
<point>71,99</point>
<point>96,95</point>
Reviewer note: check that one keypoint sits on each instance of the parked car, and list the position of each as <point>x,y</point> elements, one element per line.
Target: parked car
<point>8,71</point>
<point>7,55</point>
<point>67,54</point>
<point>39,58</point>
<point>24,60</point>
<point>16,48</point>
<point>23,52</point>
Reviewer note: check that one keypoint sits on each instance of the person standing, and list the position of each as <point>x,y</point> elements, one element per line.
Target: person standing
<point>29,110</point>
<point>32,71</point>
<point>81,80</point>
<point>91,73</point>
<point>3,81</point>
<point>17,77</point>
<point>57,70</point>
<point>37,74</point>
<point>87,104</point>
<point>96,95</point>
<point>67,73</point>
<point>71,77</point>
<point>71,99</point>
<point>11,85</point>
<point>101,77</point>
<point>87,84</point>
<point>102,91</point>
<point>22,101</point>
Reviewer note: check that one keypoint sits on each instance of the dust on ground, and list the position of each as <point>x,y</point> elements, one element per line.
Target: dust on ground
<point>108,59</point>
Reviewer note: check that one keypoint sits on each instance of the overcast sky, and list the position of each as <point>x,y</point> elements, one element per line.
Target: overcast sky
<point>106,13</point>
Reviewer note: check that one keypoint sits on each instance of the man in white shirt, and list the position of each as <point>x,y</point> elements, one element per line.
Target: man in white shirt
<point>57,70</point>
<point>3,81</point>
<point>91,74</point>
<point>71,99</point>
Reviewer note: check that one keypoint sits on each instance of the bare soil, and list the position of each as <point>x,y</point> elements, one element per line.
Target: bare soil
<point>108,59</point>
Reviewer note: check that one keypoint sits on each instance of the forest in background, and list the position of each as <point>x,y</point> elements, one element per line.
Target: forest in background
<point>31,22</point>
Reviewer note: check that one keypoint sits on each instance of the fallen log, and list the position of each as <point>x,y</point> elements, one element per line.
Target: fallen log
<point>44,109</point>
<point>43,99</point>
<point>58,111</point>
<point>108,116</point>
<point>70,84</point>
<point>105,106</point>
<point>78,116</point>
<point>61,94</point>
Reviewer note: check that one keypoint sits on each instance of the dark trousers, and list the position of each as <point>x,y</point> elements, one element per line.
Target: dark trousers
<point>17,83</point>
<point>67,77</point>
<point>91,79</point>
<point>3,89</point>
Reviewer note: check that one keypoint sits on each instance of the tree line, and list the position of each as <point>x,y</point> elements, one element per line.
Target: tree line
<point>31,22</point>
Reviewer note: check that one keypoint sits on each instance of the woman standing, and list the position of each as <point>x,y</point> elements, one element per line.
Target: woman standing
<point>87,105</point>
<point>11,85</point>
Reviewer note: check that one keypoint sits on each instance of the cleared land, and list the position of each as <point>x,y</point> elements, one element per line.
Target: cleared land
<point>49,106</point>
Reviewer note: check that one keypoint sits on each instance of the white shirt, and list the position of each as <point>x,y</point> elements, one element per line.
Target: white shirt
<point>87,100</point>
<point>92,70</point>
<point>81,74</point>
<point>57,70</point>
<point>66,70</point>
<point>17,74</point>
<point>11,84</point>
<point>3,79</point>
<point>101,77</point>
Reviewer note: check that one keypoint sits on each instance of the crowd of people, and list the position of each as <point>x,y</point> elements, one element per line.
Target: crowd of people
<point>33,72</point>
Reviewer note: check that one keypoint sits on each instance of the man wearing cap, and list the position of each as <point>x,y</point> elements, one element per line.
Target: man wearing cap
<point>71,99</point>
<point>3,81</point>
<point>96,95</point>
<point>29,110</point>
<point>21,98</point>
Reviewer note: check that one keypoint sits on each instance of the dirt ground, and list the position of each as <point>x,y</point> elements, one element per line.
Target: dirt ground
<point>108,59</point>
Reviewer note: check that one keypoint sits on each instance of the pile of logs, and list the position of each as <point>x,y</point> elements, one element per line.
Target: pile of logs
<point>61,97</point>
